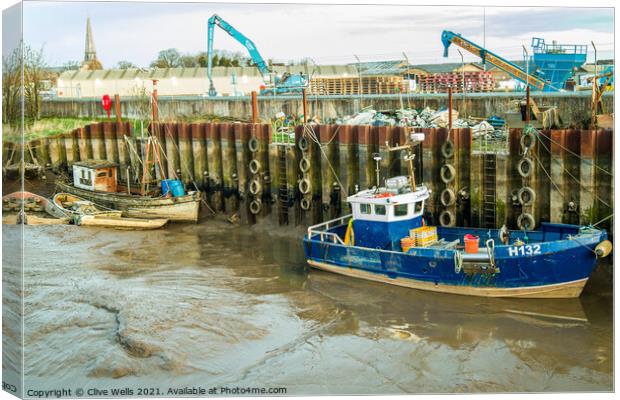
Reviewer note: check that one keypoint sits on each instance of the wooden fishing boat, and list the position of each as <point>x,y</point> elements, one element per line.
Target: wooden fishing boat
<point>31,202</point>
<point>77,206</point>
<point>95,180</point>
<point>121,222</point>
<point>385,240</point>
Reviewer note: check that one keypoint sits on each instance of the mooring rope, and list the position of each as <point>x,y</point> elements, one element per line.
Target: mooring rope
<point>537,135</point>
<point>310,131</point>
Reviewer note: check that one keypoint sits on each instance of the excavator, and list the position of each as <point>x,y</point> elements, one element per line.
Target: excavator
<point>284,84</point>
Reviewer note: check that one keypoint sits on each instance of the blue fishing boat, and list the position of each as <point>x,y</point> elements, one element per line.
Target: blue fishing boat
<point>385,239</point>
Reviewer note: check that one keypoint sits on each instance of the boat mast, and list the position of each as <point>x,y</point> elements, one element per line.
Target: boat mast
<point>414,139</point>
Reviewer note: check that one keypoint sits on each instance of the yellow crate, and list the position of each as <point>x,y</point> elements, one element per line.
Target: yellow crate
<point>424,235</point>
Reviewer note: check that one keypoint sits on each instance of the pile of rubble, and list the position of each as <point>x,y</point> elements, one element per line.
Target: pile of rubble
<point>427,118</point>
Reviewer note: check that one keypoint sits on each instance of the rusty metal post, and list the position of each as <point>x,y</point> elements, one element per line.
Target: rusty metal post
<point>155,107</point>
<point>255,118</point>
<point>449,107</point>
<point>527,104</point>
<point>305,104</point>
<point>117,107</point>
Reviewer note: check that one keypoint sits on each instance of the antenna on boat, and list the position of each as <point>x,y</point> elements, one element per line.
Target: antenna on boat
<point>377,159</point>
<point>414,139</point>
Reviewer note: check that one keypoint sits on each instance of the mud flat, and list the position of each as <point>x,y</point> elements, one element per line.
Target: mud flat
<point>219,305</point>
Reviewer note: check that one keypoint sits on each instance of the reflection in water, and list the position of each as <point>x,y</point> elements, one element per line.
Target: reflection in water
<point>214,305</point>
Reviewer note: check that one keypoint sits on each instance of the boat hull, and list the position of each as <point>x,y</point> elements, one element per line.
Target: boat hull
<point>182,208</point>
<point>556,263</point>
<point>560,290</point>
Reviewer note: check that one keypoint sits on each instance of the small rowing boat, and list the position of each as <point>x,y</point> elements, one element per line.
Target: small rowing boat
<point>121,222</point>
<point>77,206</point>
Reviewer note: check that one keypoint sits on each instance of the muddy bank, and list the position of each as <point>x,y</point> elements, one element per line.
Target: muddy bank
<point>218,305</point>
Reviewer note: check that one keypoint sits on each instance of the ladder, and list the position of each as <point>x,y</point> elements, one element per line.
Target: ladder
<point>283,195</point>
<point>489,190</point>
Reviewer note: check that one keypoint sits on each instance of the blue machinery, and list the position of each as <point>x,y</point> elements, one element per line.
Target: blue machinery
<point>284,84</point>
<point>551,67</point>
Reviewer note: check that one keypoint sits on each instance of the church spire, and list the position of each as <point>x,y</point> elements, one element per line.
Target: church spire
<point>89,53</point>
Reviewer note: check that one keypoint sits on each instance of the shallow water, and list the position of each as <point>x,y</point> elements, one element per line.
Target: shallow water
<point>220,305</point>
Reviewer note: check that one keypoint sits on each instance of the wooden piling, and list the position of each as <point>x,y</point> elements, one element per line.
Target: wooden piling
<point>172,150</point>
<point>229,166</point>
<point>109,138</point>
<point>199,154</point>
<point>123,130</point>
<point>186,163</point>
<point>215,167</point>
<point>84,144</point>
<point>96,138</point>
<point>117,107</point>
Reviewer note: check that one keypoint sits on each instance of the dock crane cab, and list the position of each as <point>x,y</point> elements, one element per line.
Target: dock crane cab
<point>285,84</point>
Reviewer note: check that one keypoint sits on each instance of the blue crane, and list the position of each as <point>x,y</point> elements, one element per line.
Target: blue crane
<point>527,77</point>
<point>286,83</point>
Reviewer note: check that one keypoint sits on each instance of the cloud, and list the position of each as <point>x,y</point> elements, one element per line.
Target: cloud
<point>328,34</point>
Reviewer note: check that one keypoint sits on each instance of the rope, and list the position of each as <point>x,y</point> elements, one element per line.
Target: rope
<point>604,219</point>
<point>310,131</point>
<point>535,131</point>
<point>536,134</point>
<point>548,176</point>
<point>184,165</point>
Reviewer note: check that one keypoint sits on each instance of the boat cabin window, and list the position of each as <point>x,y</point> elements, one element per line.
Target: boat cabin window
<point>380,209</point>
<point>418,207</point>
<point>101,174</point>
<point>365,208</point>
<point>401,210</point>
<point>85,177</point>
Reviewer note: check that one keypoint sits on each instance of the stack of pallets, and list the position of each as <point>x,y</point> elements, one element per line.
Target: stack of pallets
<point>354,85</point>
<point>475,82</point>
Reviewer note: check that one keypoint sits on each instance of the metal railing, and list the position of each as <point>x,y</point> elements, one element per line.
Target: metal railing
<point>321,229</point>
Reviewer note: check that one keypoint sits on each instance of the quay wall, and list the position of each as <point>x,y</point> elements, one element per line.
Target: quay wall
<point>573,107</point>
<point>241,171</point>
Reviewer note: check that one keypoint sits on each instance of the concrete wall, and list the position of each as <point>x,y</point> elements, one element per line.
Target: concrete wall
<point>574,107</point>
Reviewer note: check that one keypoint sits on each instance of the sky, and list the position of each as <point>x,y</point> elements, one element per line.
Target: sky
<point>328,34</point>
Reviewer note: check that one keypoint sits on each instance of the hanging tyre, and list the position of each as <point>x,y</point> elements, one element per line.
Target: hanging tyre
<point>304,165</point>
<point>255,206</point>
<point>255,186</point>
<point>304,204</point>
<point>254,166</point>
<point>304,186</point>
<point>253,145</point>
<point>526,221</point>
<point>447,173</point>
<point>525,167</point>
<point>527,140</point>
<point>303,144</point>
<point>447,197</point>
<point>447,218</point>
<point>447,149</point>
<point>527,196</point>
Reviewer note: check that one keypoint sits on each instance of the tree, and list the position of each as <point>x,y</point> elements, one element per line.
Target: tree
<point>92,65</point>
<point>70,66</point>
<point>188,61</point>
<point>169,58</point>
<point>13,87</point>
<point>125,65</point>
